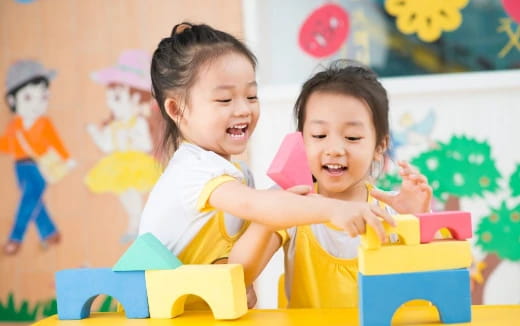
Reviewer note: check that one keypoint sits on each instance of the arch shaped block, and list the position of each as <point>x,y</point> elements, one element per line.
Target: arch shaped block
<point>290,166</point>
<point>381,295</point>
<point>76,289</point>
<point>221,286</point>
<point>457,222</point>
<point>407,227</point>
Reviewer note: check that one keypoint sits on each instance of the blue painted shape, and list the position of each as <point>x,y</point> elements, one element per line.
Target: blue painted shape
<point>381,295</point>
<point>76,289</point>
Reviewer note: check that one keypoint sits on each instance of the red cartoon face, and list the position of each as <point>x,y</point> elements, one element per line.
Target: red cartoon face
<point>324,31</point>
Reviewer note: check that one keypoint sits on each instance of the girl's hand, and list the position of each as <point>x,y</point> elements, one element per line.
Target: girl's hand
<point>300,190</point>
<point>251,297</point>
<point>415,195</point>
<point>354,216</point>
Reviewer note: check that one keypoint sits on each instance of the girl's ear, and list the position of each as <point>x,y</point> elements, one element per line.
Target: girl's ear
<point>381,149</point>
<point>172,107</point>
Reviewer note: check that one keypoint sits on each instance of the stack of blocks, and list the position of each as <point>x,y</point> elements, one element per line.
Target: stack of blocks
<point>149,281</point>
<point>417,267</point>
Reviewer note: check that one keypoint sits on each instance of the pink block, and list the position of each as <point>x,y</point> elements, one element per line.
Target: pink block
<point>290,166</point>
<point>457,222</point>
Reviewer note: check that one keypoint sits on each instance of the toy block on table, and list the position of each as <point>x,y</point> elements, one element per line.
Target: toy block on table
<point>147,252</point>
<point>221,286</point>
<point>438,255</point>
<point>381,295</point>
<point>76,289</point>
<point>407,228</point>
<point>457,222</point>
<point>290,166</point>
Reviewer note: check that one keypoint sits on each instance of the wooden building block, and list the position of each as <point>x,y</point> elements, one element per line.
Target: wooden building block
<point>76,289</point>
<point>145,253</point>
<point>439,255</point>
<point>407,230</point>
<point>221,286</point>
<point>290,166</point>
<point>381,295</point>
<point>457,222</point>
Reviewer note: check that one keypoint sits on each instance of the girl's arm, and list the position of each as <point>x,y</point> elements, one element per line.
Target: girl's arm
<point>254,249</point>
<point>279,209</point>
<point>101,138</point>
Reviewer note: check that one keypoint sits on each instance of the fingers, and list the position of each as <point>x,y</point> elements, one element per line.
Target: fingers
<point>382,213</point>
<point>383,196</point>
<point>377,225</point>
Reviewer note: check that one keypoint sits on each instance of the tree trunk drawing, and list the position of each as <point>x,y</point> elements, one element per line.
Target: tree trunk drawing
<point>491,262</point>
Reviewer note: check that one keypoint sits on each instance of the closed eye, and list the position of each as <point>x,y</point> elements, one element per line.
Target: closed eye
<point>252,98</point>
<point>318,136</point>
<point>353,138</point>
<point>227,100</point>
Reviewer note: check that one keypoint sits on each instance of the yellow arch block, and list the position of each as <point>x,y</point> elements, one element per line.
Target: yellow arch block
<point>439,255</point>
<point>407,229</point>
<point>221,286</point>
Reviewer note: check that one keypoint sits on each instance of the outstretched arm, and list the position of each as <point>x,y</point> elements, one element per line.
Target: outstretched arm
<point>279,209</point>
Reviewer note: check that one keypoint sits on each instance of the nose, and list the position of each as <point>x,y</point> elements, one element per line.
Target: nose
<point>242,109</point>
<point>335,147</point>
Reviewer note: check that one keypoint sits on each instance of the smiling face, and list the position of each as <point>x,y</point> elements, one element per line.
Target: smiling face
<point>222,109</point>
<point>340,140</point>
<point>32,100</point>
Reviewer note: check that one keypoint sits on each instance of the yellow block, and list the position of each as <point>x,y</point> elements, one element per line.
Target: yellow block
<point>437,255</point>
<point>407,229</point>
<point>221,286</point>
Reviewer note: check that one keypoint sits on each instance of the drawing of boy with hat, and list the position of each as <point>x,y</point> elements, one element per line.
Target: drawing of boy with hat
<point>28,135</point>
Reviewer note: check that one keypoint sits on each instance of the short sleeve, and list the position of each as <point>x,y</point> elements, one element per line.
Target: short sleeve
<point>204,174</point>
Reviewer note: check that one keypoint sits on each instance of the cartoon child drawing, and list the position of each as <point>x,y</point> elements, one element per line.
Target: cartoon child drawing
<point>29,135</point>
<point>128,170</point>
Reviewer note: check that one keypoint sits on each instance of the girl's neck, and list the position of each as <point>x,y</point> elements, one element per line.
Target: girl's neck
<point>356,192</point>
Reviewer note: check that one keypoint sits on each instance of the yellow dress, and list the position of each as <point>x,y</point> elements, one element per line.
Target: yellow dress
<point>123,170</point>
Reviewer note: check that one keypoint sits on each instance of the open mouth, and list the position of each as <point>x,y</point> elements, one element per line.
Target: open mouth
<point>334,168</point>
<point>238,131</point>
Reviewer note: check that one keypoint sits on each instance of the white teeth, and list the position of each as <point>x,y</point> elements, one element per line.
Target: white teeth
<point>241,126</point>
<point>334,166</point>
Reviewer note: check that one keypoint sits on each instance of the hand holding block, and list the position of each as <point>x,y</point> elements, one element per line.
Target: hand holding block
<point>407,228</point>
<point>457,222</point>
<point>290,166</point>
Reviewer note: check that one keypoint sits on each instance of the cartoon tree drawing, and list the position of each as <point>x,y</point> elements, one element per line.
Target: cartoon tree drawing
<point>498,234</point>
<point>462,167</point>
<point>514,182</point>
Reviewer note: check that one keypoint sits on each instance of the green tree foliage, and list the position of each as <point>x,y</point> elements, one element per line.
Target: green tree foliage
<point>499,232</point>
<point>462,167</point>
<point>514,182</point>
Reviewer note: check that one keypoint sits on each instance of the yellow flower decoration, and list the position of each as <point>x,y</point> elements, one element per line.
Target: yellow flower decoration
<point>428,18</point>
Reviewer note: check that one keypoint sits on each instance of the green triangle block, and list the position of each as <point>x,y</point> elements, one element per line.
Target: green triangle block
<point>146,253</point>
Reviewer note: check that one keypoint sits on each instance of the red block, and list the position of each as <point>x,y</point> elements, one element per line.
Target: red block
<point>457,222</point>
<point>290,166</point>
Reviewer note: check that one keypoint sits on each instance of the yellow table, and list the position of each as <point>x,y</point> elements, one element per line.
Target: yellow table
<point>411,315</point>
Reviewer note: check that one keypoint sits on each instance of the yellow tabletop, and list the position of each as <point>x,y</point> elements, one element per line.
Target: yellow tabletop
<point>412,315</point>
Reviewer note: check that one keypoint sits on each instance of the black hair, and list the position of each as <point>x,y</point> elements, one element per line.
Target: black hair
<point>348,77</point>
<point>33,81</point>
<point>177,61</point>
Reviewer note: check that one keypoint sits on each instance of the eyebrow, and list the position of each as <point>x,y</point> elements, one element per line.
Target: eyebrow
<point>251,83</point>
<point>354,123</point>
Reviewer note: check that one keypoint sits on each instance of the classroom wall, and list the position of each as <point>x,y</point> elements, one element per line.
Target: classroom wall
<point>77,38</point>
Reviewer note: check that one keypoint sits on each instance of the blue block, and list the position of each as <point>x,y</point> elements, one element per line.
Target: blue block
<point>381,295</point>
<point>76,289</point>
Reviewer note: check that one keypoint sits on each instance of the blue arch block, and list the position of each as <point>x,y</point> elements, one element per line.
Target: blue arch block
<point>76,289</point>
<point>381,295</point>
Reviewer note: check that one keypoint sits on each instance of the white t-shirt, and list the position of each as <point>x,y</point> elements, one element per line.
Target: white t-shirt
<point>171,212</point>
